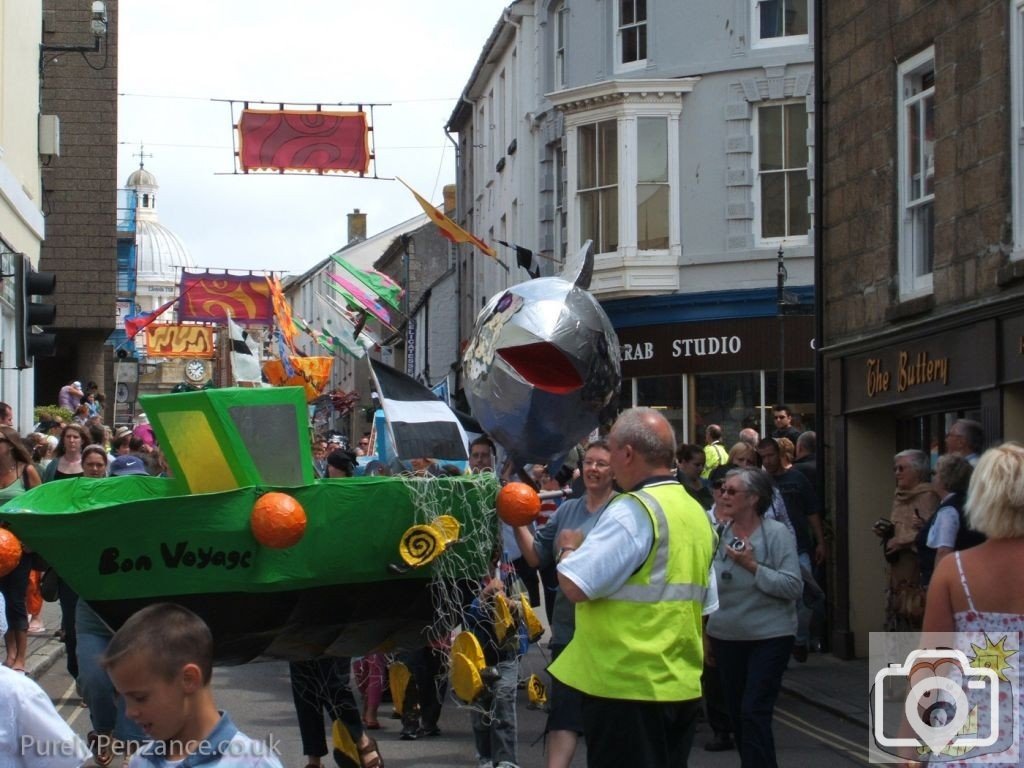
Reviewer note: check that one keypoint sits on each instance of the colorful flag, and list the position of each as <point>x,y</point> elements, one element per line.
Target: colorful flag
<point>351,323</point>
<point>354,291</point>
<point>306,140</point>
<point>135,323</point>
<point>245,354</point>
<point>377,283</point>
<point>282,311</point>
<point>525,258</point>
<point>336,345</point>
<point>209,297</point>
<point>421,425</point>
<point>449,228</point>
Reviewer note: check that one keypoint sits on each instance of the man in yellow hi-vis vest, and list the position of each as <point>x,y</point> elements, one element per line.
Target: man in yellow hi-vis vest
<point>640,582</point>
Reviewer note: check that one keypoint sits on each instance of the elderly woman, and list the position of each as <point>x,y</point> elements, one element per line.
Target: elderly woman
<point>751,633</point>
<point>982,589</point>
<point>914,503</point>
<point>947,530</point>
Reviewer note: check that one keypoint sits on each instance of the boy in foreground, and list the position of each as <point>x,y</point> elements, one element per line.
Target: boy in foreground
<point>161,661</point>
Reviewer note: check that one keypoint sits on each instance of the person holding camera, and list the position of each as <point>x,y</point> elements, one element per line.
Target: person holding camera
<point>751,634</point>
<point>914,503</point>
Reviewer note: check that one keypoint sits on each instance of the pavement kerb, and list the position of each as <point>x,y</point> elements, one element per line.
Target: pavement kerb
<point>44,657</point>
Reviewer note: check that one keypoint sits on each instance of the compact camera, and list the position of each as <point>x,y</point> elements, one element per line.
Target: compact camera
<point>737,544</point>
<point>884,527</point>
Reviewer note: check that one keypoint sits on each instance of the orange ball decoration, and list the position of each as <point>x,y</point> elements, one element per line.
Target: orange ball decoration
<point>278,521</point>
<point>518,504</point>
<point>10,552</point>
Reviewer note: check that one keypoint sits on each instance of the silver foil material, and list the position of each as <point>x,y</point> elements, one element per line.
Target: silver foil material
<point>541,367</point>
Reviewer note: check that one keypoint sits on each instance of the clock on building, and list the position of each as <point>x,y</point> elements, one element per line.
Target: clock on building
<point>195,370</point>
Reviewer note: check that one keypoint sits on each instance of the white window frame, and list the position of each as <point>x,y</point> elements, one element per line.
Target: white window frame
<point>911,284</point>
<point>756,41</point>
<point>1017,123</point>
<point>755,127</point>
<point>559,38</point>
<point>629,66</point>
<point>626,116</point>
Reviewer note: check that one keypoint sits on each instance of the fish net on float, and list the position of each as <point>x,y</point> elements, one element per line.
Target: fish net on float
<point>454,537</point>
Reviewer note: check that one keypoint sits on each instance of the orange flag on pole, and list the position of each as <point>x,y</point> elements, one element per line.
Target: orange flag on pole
<point>282,311</point>
<point>449,228</point>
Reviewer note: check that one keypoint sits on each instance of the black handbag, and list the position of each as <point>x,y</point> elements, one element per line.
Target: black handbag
<point>49,586</point>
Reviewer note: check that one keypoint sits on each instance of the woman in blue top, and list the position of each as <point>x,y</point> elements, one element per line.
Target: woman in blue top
<point>565,717</point>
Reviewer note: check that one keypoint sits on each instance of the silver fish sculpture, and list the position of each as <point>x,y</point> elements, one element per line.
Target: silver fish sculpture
<point>542,365</point>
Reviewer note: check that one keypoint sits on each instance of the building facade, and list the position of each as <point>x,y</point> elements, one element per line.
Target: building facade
<point>677,139</point>
<point>22,223</point>
<point>922,258</point>
<point>79,191</point>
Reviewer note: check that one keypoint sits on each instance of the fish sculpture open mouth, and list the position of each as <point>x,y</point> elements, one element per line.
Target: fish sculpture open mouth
<point>544,366</point>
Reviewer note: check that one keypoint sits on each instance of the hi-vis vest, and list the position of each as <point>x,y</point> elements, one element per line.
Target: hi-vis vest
<point>643,643</point>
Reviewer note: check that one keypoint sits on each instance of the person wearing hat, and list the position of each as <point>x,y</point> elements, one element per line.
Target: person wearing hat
<point>128,464</point>
<point>341,463</point>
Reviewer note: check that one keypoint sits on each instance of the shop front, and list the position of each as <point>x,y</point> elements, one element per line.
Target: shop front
<point>726,371</point>
<point>905,391</point>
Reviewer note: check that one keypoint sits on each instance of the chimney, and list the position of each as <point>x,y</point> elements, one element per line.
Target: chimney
<point>356,226</point>
<point>449,200</point>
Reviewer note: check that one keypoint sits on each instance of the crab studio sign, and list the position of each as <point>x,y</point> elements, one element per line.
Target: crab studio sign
<point>179,340</point>
<point>722,345</point>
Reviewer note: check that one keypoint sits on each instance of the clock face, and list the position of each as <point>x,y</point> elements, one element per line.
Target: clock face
<point>195,370</point>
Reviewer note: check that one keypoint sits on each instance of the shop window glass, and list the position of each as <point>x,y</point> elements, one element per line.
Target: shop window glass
<point>666,394</point>
<point>730,400</point>
<point>799,396</point>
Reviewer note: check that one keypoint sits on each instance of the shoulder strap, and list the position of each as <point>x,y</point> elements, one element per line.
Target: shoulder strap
<point>963,583</point>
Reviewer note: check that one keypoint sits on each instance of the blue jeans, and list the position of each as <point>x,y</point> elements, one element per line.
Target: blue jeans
<point>751,672</point>
<point>495,731</point>
<point>106,708</point>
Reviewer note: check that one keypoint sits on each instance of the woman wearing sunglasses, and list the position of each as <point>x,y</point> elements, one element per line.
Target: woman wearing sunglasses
<point>751,634</point>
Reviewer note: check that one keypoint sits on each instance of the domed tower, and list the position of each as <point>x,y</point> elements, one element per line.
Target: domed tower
<point>160,254</point>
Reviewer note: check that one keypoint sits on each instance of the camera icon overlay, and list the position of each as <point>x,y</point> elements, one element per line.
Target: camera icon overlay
<point>943,697</point>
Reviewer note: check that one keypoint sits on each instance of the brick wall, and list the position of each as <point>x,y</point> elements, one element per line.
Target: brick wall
<point>865,40</point>
<point>80,191</point>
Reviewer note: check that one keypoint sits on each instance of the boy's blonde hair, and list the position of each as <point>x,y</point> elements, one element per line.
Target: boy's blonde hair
<point>170,635</point>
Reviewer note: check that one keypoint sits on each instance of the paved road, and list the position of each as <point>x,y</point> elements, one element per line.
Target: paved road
<point>258,697</point>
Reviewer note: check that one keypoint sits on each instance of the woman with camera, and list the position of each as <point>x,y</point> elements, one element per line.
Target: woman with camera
<point>914,503</point>
<point>751,633</point>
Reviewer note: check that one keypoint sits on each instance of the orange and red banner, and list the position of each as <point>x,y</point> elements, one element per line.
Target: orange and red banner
<point>312,373</point>
<point>303,140</point>
<point>209,298</point>
<point>179,340</point>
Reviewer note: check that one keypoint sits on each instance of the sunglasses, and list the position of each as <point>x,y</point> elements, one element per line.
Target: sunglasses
<point>729,491</point>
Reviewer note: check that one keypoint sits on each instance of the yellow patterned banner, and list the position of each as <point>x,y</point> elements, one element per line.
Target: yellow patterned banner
<point>313,373</point>
<point>179,340</point>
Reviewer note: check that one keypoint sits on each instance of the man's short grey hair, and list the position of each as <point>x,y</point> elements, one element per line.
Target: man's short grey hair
<point>973,433</point>
<point>632,428</point>
<point>807,442</point>
<point>918,462</point>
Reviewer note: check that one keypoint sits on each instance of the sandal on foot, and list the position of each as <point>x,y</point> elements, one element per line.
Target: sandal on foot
<point>370,749</point>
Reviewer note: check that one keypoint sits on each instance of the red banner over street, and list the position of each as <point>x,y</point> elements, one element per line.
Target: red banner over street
<point>208,298</point>
<point>303,140</point>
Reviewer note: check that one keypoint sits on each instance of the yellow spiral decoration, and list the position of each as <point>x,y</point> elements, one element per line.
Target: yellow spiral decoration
<point>420,545</point>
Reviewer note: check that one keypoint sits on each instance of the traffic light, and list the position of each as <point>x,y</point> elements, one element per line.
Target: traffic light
<point>30,343</point>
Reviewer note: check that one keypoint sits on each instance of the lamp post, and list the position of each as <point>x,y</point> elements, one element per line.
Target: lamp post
<point>780,299</point>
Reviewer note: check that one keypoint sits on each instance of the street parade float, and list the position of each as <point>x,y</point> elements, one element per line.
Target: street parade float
<point>281,564</point>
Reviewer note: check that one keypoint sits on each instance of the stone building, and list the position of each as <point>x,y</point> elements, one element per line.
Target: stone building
<point>79,191</point>
<point>922,259</point>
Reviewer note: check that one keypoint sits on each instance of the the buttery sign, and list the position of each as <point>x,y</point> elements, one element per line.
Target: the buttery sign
<point>750,344</point>
<point>928,366</point>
